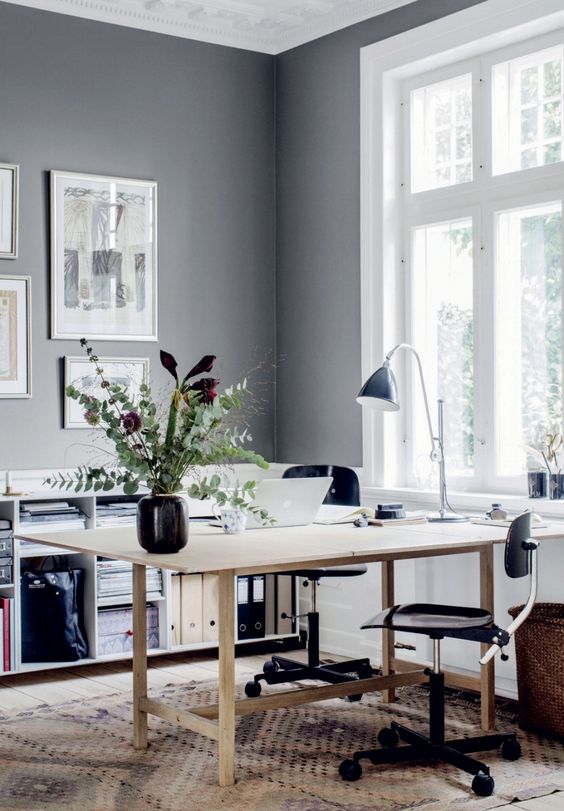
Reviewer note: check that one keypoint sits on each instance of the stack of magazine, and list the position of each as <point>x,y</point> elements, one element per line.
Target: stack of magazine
<point>114,579</point>
<point>51,516</point>
<point>116,513</point>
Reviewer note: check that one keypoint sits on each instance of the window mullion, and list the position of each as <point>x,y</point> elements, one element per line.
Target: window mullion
<point>483,283</point>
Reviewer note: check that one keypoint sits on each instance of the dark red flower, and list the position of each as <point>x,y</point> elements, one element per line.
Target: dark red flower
<point>131,422</point>
<point>169,363</point>
<point>206,386</point>
<point>203,365</point>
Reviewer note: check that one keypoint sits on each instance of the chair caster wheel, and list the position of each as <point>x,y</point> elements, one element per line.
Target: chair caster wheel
<point>388,738</point>
<point>252,689</point>
<point>270,667</point>
<point>356,697</point>
<point>350,770</point>
<point>511,749</point>
<point>483,785</point>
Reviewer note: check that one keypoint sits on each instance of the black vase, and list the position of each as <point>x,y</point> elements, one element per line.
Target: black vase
<point>162,523</point>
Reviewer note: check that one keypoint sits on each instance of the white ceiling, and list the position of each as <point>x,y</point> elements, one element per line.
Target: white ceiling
<point>268,26</point>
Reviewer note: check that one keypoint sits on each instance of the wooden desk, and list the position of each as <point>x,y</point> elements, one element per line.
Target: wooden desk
<point>270,550</point>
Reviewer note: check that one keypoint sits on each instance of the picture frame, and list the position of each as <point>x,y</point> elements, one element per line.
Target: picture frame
<point>15,336</point>
<point>9,195</point>
<point>81,373</point>
<point>103,257</point>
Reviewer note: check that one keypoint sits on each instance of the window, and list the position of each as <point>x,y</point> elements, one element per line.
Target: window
<point>463,236</point>
<point>527,111</point>
<point>528,324</point>
<point>442,323</point>
<point>519,281</point>
<point>441,114</point>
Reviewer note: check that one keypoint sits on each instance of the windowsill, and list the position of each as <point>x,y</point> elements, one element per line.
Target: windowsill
<point>473,502</point>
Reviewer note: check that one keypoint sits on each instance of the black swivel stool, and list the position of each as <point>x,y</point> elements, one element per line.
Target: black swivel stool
<point>459,622</point>
<point>345,491</point>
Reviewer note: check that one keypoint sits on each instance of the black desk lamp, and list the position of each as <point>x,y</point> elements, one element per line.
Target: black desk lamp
<point>380,392</point>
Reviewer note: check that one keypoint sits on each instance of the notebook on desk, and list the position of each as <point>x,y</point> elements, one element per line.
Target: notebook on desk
<point>292,502</point>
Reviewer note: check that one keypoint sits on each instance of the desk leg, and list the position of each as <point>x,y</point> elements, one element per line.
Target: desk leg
<point>226,678</point>
<point>139,655</point>
<point>487,672</point>
<point>387,573</point>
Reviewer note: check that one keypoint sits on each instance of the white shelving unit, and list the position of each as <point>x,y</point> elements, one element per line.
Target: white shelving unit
<point>10,509</point>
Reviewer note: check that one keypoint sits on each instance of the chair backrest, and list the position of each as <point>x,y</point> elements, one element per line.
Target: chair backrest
<point>517,550</point>
<point>345,489</point>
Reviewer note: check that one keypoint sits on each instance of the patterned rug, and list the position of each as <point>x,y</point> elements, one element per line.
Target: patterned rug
<point>78,757</point>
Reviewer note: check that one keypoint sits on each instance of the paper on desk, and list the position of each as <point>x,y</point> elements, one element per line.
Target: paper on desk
<point>335,514</point>
<point>535,523</point>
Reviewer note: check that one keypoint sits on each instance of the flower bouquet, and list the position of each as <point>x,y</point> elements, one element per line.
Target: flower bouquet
<point>197,433</point>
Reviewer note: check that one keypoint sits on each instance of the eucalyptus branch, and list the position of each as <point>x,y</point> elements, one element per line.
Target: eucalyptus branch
<point>112,401</point>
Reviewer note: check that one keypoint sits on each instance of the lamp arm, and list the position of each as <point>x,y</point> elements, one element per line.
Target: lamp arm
<point>437,449</point>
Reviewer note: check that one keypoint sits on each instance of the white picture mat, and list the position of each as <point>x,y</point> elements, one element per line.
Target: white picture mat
<point>78,226</point>
<point>81,373</point>
<point>15,338</point>
<point>8,211</point>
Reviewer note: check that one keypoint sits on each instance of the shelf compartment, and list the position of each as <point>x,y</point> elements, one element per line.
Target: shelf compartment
<point>115,630</point>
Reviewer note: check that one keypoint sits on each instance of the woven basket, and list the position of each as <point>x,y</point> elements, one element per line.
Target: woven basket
<point>539,646</point>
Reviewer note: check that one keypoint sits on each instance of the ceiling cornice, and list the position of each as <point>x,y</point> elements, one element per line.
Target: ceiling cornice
<point>340,18</point>
<point>233,23</point>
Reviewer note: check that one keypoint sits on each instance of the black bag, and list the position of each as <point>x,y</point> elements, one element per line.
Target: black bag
<point>53,614</point>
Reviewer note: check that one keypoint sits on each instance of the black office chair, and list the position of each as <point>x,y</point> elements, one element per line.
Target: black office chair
<point>344,490</point>
<point>460,622</point>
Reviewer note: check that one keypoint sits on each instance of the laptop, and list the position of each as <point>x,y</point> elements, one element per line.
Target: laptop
<point>292,502</point>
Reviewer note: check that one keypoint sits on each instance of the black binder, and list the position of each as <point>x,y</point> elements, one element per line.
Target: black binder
<point>244,597</point>
<point>258,606</point>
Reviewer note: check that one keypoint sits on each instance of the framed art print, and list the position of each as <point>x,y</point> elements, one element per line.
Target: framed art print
<point>15,336</point>
<point>80,372</point>
<point>104,258</point>
<point>8,211</point>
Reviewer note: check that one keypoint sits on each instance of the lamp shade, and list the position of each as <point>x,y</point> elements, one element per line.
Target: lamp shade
<point>380,391</point>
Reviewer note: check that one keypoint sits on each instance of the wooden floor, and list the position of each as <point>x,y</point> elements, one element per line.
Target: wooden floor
<point>26,691</point>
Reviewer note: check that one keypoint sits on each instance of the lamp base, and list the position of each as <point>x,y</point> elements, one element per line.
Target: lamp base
<point>446,515</point>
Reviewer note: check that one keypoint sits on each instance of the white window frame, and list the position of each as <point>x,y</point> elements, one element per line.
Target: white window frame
<point>386,67</point>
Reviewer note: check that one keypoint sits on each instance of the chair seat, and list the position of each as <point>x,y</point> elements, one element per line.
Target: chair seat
<point>427,617</point>
<point>334,571</point>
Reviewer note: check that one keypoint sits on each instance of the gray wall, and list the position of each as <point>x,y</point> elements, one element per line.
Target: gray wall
<point>90,97</point>
<point>200,119</point>
<point>318,237</point>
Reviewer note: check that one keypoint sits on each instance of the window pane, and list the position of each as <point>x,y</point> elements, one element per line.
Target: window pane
<point>441,134</point>
<point>527,111</point>
<point>552,119</point>
<point>442,331</point>
<point>552,78</point>
<point>528,331</point>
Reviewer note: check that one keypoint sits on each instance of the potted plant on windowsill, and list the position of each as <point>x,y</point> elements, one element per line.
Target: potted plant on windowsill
<point>196,434</point>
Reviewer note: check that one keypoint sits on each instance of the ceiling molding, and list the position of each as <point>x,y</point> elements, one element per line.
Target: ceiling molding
<point>266,26</point>
<point>340,18</point>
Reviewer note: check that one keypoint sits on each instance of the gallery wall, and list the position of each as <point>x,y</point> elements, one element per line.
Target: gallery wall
<point>318,236</point>
<point>89,97</point>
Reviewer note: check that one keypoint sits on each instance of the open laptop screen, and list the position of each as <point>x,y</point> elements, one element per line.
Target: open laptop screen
<point>292,502</point>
